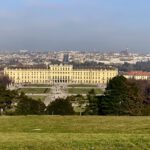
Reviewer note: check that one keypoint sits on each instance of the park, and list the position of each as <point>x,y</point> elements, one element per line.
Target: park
<point>30,125</point>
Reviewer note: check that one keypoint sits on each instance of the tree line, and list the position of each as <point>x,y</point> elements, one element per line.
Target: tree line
<point>121,97</point>
<point>141,66</point>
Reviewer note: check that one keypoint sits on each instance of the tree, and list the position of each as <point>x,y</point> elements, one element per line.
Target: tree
<point>7,98</point>
<point>29,106</point>
<point>60,107</point>
<point>144,87</point>
<point>79,103</point>
<point>92,108</point>
<point>4,80</point>
<point>133,104</point>
<point>146,102</point>
<point>111,102</point>
<point>122,97</point>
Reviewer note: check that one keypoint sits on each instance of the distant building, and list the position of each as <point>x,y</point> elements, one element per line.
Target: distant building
<point>66,58</point>
<point>137,75</point>
<point>23,51</point>
<point>61,74</point>
<point>124,52</point>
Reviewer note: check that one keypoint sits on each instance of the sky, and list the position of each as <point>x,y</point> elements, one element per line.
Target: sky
<point>103,25</point>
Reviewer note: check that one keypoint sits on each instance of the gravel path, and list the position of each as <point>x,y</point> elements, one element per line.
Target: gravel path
<point>57,91</point>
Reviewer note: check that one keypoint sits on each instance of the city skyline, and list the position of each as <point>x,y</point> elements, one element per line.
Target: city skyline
<point>75,25</point>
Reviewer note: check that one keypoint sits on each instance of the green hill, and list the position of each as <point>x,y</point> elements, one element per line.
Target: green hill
<point>74,133</point>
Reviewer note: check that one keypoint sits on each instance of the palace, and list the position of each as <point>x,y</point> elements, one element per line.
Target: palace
<point>61,74</point>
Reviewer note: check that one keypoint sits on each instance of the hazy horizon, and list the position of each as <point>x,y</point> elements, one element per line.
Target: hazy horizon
<point>75,25</point>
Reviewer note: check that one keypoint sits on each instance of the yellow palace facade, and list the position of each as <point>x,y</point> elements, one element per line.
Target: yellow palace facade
<point>60,74</point>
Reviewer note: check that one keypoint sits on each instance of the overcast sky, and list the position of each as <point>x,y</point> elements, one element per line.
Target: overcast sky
<point>75,24</point>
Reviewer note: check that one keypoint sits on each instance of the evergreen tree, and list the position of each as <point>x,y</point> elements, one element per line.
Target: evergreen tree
<point>121,97</point>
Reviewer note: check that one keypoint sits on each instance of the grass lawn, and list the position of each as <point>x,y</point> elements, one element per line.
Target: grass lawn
<point>82,85</point>
<point>74,133</point>
<point>39,85</point>
<point>34,90</point>
<point>38,97</point>
<point>83,90</point>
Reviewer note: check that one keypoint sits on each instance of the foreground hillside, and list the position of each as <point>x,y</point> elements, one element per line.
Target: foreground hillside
<point>73,133</point>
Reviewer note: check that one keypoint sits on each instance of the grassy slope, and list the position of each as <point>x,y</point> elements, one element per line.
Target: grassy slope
<point>83,90</point>
<point>73,133</point>
<point>82,85</point>
<point>38,85</point>
<point>34,90</point>
<point>42,98</point>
